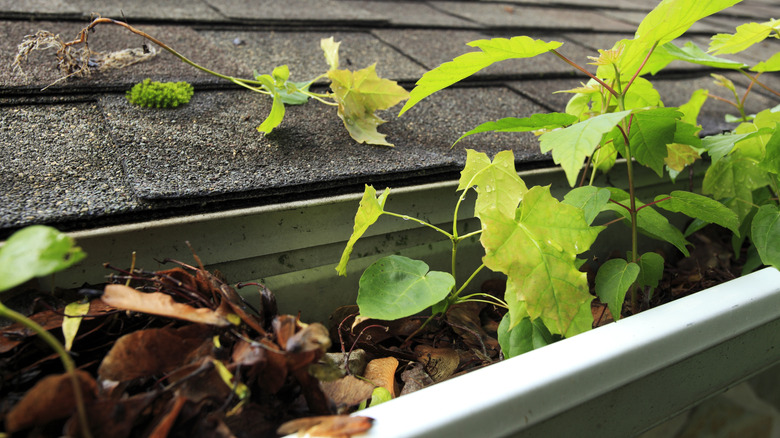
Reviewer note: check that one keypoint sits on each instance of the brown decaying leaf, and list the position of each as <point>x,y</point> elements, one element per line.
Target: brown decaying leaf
<point>116,418</point>
<point>165,425</point>
<point>152,351</point>
<point>440,363</point>
<point>464,320</point>
<point>50,399</point>
<point>327,426</point>
<point>381,372</point>
<point>156,303</point>
<point>347,391</point>
<point>415,378</point>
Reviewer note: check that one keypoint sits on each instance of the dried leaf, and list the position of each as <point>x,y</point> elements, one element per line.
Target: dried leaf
<point>415,378</point>
<point>50,399</point>
<point>156,303</point>
<point>381,372</point>
<point>327,426</point>
<point>440,363</point>
<point>348,391</point>
<point>152,351</point>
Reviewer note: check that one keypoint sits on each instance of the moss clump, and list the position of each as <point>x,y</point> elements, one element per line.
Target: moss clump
<point>160,94</point>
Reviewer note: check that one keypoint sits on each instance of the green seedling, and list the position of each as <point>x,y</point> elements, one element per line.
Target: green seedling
<point>357,95</point>
<point>36,251</point>
<point>534,238</point>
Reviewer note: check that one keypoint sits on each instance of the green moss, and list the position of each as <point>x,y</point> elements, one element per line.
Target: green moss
<point>160,94</point>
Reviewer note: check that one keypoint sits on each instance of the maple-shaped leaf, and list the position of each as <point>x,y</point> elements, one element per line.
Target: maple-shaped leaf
<point>650,132</point>
<point>331,50</point>
<point>537,250</point>
<point>699,207</point>
<point>571,145</point>
<point>491,51</point>
<point>371,207</point>
<point>497,183</point>
<point>361,93</point>
<point>692,53</point>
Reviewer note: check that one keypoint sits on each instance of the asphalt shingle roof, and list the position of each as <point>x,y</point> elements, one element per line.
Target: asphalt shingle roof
<point>78,155</point>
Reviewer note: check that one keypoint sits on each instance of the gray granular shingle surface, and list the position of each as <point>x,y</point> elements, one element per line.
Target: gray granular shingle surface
<point>58,163</point>
<point>78,155</point>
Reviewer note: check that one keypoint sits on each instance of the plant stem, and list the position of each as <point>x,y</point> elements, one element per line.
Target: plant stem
<point>760,84</point>
<point>590,75</point>
<point>466,283</point>
<point>67,361</point>
<point>419,221</point>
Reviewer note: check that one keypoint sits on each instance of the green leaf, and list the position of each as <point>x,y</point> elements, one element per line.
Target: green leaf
<point>692,108</point>
<point>361,93</point>
<point>720,145</point>
<point>527,335</point>
<point>513,124</point>
<point>605,157</point>
<point>276,115</point>
<point>651,270</point>
<point>491,51</point>
<point>331,50</point>
<point>735,177</point>
<point>649,221</point>
<point>536,249</point>
<point>497,183</point>
<point>379,395</point>
<point>35,251</point>
<point>666,22</point>
<point>612,282</point>
<point>591,200</point>
<point>699,207</point>
<point>765,233</point>
<point>690,52</point>
<point>368,212</point>
<point>571,145</point>
<point>72,320</point>
<point>746,35</point>
<point>771,161</point>
<point>651,131</point>
<point>395,287</point>
<point>771,64</point>
<point>678,156</point>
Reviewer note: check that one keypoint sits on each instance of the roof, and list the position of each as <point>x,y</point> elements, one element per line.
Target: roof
<point>77,155</point>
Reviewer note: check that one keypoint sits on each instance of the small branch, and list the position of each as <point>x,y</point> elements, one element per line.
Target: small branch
<point>590,75</point>
<point>653,203</point>
<point>419,221</point>
<point>618,203</point>
<point>760,84</point>
<point>652,49</point>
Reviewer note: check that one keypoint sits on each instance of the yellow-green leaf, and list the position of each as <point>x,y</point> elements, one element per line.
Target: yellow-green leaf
<point>745,36</point>
<point>70,324</point>
<point>537,249</point>
<point>771,64</point>
<point>497,183</point>
<point>680,155</point>
<point>368,212</point>
<point>359,94</point>
<point>331,50</point>
<point>491,51</point>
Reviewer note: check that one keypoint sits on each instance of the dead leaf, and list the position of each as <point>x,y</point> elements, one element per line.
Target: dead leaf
<point>415,378</point>
<point>50,399</point>
<point>465,321</point>
<point>152,351</point>
<point>381,372</point>
<point>347,391</point>
<point>156,303</point>
<point>440,363</point>
<point>165,425</point>
<point>327,426</point>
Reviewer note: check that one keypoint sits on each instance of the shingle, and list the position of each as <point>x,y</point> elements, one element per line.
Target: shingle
<point>157,10</point>
<point>57,163</point>
<point>210,147</point>
<point>414,13</point>
<point>505,16</point>
<point>301,52</point>
<point>293,11</point>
